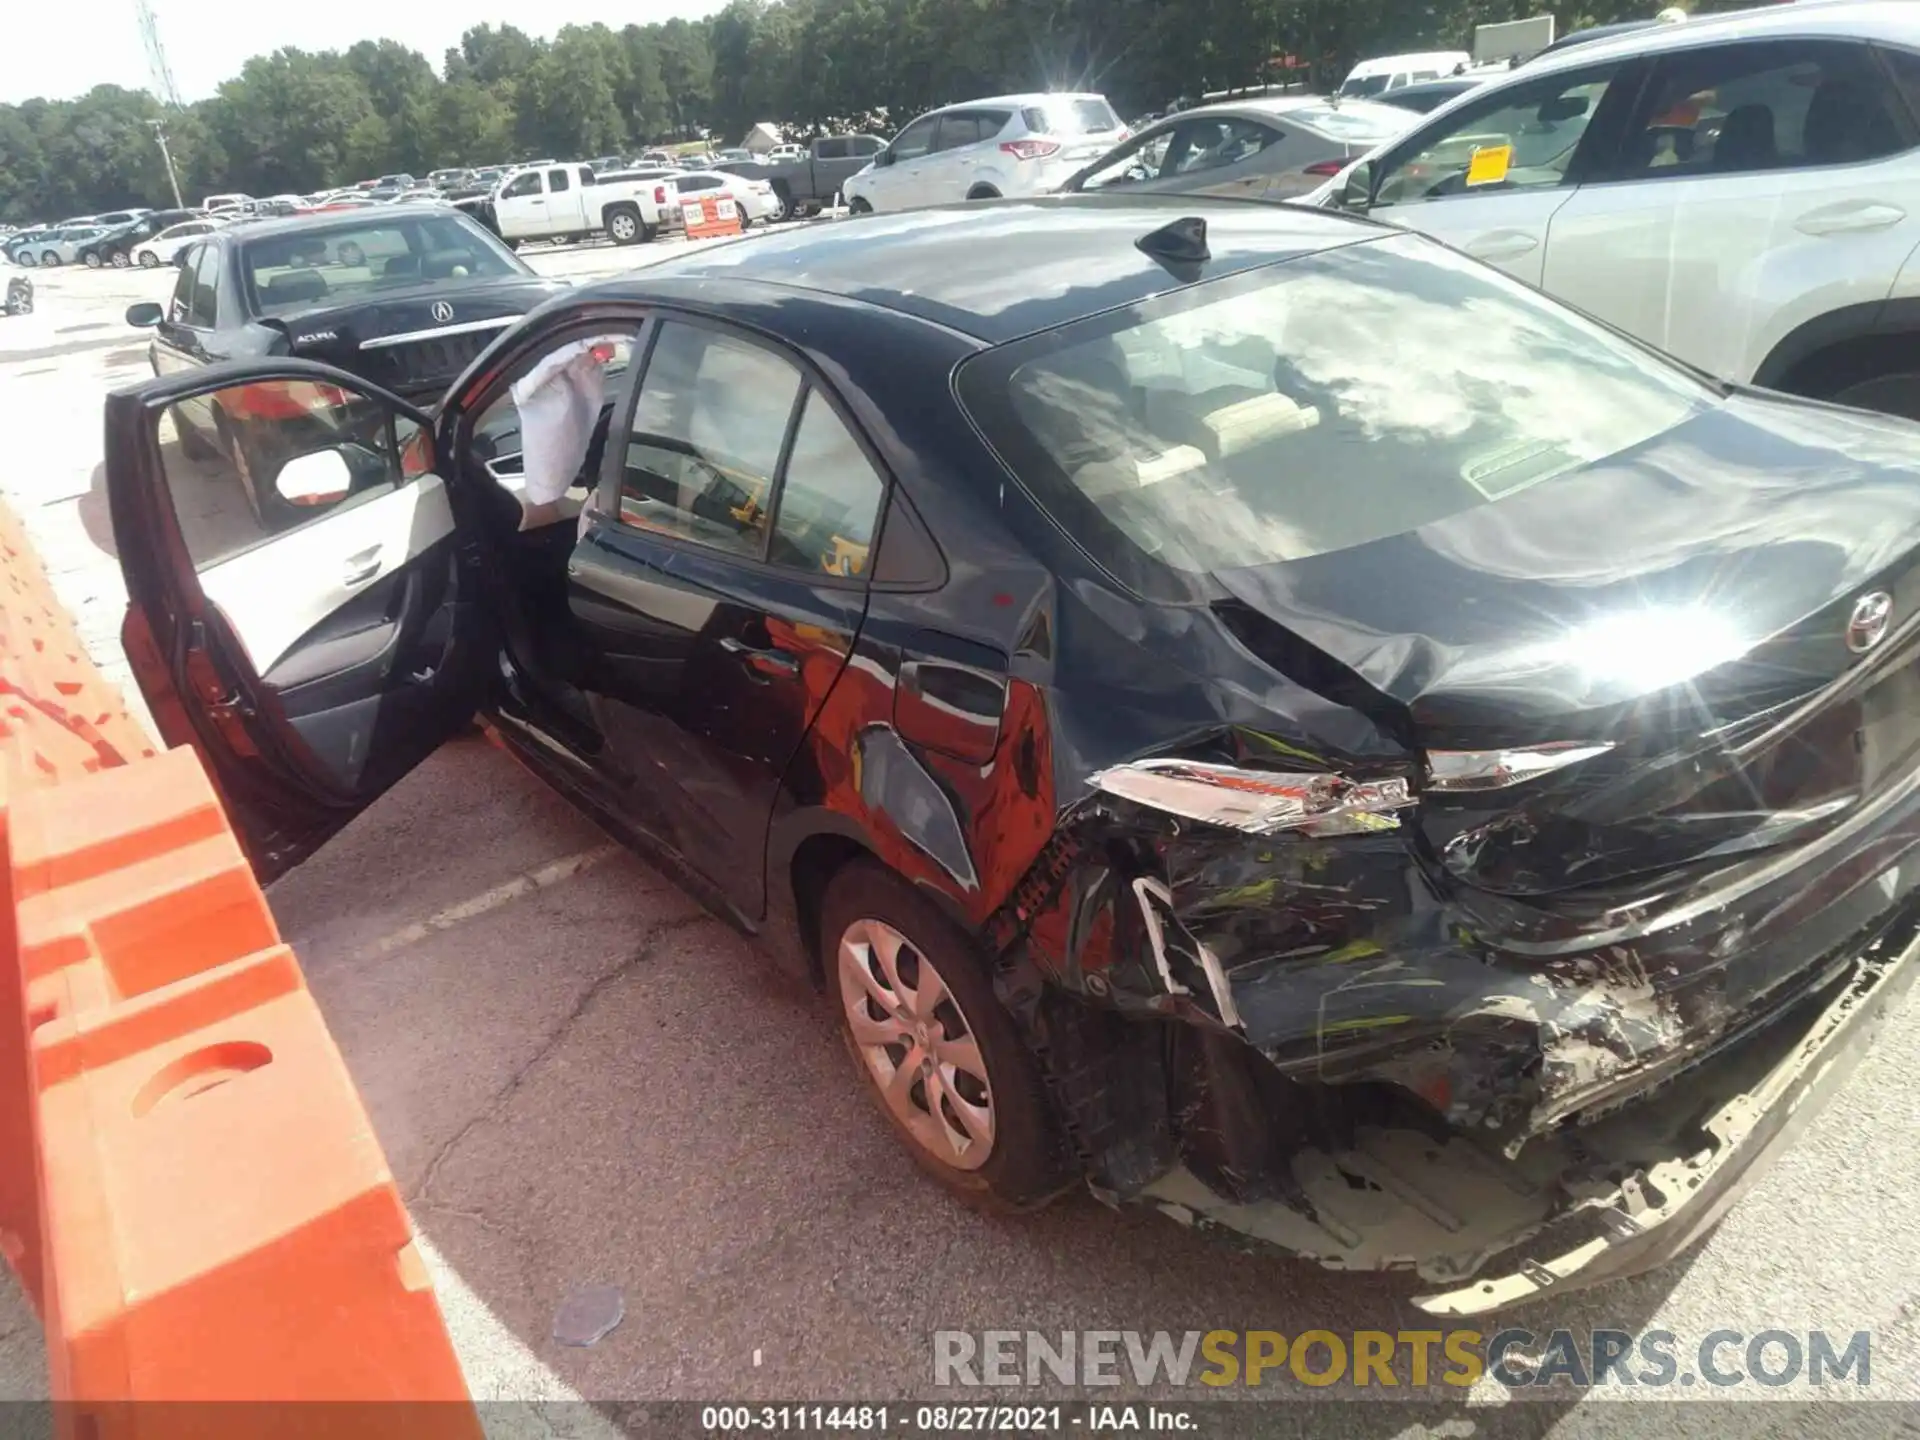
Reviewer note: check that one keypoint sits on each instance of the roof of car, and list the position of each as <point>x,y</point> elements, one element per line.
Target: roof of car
<point>1278,105</point>
<point>325,220</point>
<point>1881,18</point>
<point>1001,270</point>
<point>1038,97</point>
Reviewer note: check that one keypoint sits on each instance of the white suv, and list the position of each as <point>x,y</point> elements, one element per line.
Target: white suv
<point>1742,191</point>
<point>1009,145</point>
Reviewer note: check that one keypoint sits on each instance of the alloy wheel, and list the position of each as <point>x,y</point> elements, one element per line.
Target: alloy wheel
<point>120,260</point>
<point>149,260</point>
<point>917,1045</point>
<point>624,226</point>
<point>94,262</point>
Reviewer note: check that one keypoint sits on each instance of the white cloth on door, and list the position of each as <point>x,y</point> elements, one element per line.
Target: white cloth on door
<point>559,402</point>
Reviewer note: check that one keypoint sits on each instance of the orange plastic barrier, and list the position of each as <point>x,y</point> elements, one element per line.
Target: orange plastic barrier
<point>710,215</point>
<point>190,1187</point>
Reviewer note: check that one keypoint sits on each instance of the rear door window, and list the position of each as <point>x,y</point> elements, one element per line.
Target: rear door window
<point>958,129</point>
<point>558,180</point>
<point>704,445</point>
<point>1764,105</point>
<point>206,289</point>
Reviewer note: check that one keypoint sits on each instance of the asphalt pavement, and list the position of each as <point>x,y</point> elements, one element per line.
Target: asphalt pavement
<point>581,1079</point>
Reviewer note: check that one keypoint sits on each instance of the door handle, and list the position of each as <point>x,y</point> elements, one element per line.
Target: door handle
<point>1502,245</point>
<point>1849,215</point>
<point>771,662</point>
<point>362,567</point>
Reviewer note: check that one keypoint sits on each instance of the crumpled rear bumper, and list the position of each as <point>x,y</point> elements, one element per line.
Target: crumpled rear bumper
<point>1495,1232</point>
<point>1695,1191</point>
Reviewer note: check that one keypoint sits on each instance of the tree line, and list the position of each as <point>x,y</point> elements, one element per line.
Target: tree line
<point>295,120</point>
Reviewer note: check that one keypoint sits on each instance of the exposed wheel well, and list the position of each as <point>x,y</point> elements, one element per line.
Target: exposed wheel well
<point>983,192</point>
<point>1834,367</point>
<point>815,863</point>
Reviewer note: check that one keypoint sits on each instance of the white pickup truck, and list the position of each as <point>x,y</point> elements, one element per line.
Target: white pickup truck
<point>553,202</point>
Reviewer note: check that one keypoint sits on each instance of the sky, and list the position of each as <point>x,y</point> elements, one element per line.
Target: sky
<point>59,51</point>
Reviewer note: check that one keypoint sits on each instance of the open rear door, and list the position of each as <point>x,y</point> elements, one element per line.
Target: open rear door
<point>302,608</point>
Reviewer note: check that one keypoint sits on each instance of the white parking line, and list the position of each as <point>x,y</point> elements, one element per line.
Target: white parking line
<point>525,883</point>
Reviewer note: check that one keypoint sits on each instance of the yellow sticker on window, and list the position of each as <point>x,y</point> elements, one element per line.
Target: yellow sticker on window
<point>1489,165</point>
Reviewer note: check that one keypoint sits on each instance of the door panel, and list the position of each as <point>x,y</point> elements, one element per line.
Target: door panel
<point>720,587</point>
<point>298,601</point>
<point>1490,178</point>
<point>1759,186</point>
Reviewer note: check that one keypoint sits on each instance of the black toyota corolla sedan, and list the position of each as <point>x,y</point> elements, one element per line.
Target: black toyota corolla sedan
<point>1240,707</point>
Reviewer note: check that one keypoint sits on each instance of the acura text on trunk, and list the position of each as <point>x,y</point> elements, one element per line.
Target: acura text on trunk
<point>1242,707</point>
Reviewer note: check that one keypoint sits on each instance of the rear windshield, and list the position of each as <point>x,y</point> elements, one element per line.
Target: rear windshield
<point>285,273</point>
<point>1361,126</point>
<point>1312,406</point>
<point>1071,117</point>
<point>1365,85</point>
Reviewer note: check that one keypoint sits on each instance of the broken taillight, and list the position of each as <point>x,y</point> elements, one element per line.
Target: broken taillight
<point>1260,802</point>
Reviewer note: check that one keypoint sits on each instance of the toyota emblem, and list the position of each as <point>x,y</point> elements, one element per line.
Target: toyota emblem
<point>1867,626</point>
<point>442,311</point>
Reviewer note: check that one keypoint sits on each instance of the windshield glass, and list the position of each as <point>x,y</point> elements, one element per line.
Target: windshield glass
<point>284,273</point>
<point>1313,406</point>
<point>1077,117</point>
<point>1365,85</point>
<point>1361,126</point>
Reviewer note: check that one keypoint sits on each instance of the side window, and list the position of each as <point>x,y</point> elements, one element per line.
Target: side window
<point>206,289</point>
<point>829,498</point>
<point>957,130</point>
<point>708,426</point>
<point>1905,67</point>
<point>864,145</point>
<point>1521,139</point>
<point>253,461</point>
<point>1138,160</point>
<point>527,184</point>
<point>1211,144</point>
<point>831,150</point>
<point>697,182</point>
<point>544,436</point>
<point>915,140</point>
<point>180,307</point>
<point>557,181</point>
<point>1734,109</point>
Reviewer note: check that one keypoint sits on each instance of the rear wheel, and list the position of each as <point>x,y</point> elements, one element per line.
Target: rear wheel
<point>25,257</point>
<point>121,260</point>
<point>149,260</point>
<point>939,1054</point>
<point>93,259</point>
<point>624,227</point>
<point>859,206</point>
<point>49,259</point>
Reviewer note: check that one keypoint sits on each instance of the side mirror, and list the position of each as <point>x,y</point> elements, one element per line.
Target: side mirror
<point>319,478</point>
<point>144,314</point>
<point>1356,192</point>
<point>883,158</point>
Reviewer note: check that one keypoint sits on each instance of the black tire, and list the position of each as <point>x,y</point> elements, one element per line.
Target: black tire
<point>121,260</point>
<point>624,225</point>
<point>1024,1168</point>
<point>983,192</point>
<point>785,212</point>
<point>93,260</point>
<point>1895,394</point>
<point>149,260</point>
<point>859,205</point>
<point>24,259</point>
<point>48,260</point>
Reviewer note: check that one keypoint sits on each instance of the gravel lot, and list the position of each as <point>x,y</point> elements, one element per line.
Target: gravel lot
<point>581,1079</point>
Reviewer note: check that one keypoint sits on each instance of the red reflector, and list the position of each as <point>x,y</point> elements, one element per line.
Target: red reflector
<point>1030,149</point>
<point>1326,167</point>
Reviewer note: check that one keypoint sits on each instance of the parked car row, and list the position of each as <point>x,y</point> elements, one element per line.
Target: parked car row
<point>573,201</point>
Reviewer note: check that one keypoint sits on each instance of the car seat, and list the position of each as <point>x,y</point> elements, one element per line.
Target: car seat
<point>291,287</point>
<point>1746,140</point>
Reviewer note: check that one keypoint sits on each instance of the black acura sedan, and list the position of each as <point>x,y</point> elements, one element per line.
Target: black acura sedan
<point>1240,707</point>
<point>403,299</point>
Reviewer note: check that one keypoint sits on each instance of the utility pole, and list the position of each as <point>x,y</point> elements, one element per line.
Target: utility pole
<point>160,134</point>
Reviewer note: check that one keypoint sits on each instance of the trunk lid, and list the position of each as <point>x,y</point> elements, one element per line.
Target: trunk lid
<point>1721,617</point>
<point>414,341</point>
